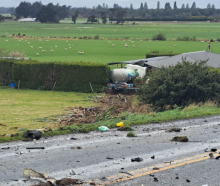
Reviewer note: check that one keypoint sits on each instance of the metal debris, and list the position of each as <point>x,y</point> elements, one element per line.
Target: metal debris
<point>156,168</point>
<point>138,159</point>
<point>213,157</point>
<point>35,147</point>
<point>211,150</point>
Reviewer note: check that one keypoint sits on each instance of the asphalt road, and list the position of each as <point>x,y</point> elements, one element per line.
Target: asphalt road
<point>104,158</point>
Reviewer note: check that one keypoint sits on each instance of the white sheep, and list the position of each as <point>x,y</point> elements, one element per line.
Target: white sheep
<point>113,45</point>
<point>175,45</point>
<point>40,47</point>
<point>43,51</point>
<point>65,49</point>
<point>157,40</point>
<point>216,41</point>
<point>52,50</point>
<point>28,42</point>
<point>202,41</point>
<point>82,52</point>
<point>69,47</point>
<point>150,40</point>
<point>127,45</point>
<point>141,40</point>
<point>32,47</point>
<point>6,40</point>
<point>134,46</point>
<point>56,46</point>
<point>79,52</point>
<point>109,41</point>
<point>37,54</point>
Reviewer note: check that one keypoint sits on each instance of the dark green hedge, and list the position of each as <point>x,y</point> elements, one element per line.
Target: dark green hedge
<point>60,76</point>
<point>5,71</point>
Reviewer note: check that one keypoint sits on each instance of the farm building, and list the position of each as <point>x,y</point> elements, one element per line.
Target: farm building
<point>213,59</point>
<point>27,20</point>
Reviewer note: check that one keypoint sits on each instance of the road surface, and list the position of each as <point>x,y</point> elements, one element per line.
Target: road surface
<point>104,158</point>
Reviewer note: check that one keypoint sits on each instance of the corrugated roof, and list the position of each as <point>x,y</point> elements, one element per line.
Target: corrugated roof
<point>213,59</point>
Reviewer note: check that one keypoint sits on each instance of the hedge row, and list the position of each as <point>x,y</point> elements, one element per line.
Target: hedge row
<point>57,76</point>
<point>160,19</point>
<point>6,71</point>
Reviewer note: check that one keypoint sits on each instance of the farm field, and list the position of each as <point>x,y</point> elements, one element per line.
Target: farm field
<point>100,51</point>
<point>172,30</point>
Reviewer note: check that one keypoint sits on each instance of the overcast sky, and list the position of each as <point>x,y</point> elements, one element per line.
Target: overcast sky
<point>123,3</point>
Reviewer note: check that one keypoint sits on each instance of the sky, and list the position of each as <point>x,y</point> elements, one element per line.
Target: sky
<point>122,3</point>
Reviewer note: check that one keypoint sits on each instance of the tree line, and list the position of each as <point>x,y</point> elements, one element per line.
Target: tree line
<point>55,13</point>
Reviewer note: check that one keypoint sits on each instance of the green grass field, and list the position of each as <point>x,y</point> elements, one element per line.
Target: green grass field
<point>100,51</point>
<point>172,30</point>
<point>21,108</point>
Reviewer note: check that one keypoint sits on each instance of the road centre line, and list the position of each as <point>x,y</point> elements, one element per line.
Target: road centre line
<point>146,171</point>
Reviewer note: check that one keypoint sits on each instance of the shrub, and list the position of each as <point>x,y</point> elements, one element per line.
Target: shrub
<point>159,36</point>
<point>96,36</point>
<point>180,85</point>
<point>218,39</point>
<point>184,38</point>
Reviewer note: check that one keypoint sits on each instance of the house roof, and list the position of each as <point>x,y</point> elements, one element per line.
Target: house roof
<point>213,59</point>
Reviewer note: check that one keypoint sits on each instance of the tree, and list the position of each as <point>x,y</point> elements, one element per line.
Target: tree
<point>145,6</point>
<point>167,6</point>
<point>213,6</point>
<point>141,6</point>
<point>209,6</point>
<point>74,16</point>
<point>103,17</point>
<point>23,9</point>
<point>47,14</point>
<point>187,6</point>
<point>131,6</point>
<point>36,6</point>
<point>175,6</point>
<point>1,18</point>
<point>193,5</point>
<point>180,85</point>
<point>183,6</point>
<point>158,5</point>
<point>91,19</point>
<point>120,14</point>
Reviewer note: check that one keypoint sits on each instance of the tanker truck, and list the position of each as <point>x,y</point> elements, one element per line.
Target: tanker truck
<point>121,79</point>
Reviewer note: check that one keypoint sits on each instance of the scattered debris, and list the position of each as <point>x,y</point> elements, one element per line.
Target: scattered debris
<point>34,134</point>
<point>32,173</point>
<point>138,159</point>
<point>125,128</point>
<point>73,138</point>
<point>5,148</point>
<point>110,158</point>
<point>121,124</point>
<point>79,147</point>
<point>180,139</point>
<point>35,147</point>
<point>153,157</point>
<point>213,157</point>
<point>211,150</point>
<point>156,179</point>
<point>188,180</point>
<point>131,134</point>
<point>103,128</point>
<point>103,178</point>
<point>174,129</point>
<point>126,173</point>
<point>156,168</point>
<point>67,181</point>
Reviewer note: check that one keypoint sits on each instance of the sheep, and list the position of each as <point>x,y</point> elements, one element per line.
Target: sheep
<point>141,40</point>
<point>56,46</point>
<point>175,45</point>
<point>109,41</point>
<point>69,44</point>
<point>32,47</point>
<point>216,41</point>
<point>28,42</point>
<point>43,51</point>
<point>79,52</point>
<point>6,40</point>
<point>134,46</point>
<point>202,41</point>
<point>65,49</point>
<point>52,50</point>
<point>126,45</point>
<point>150,40</point>
<point>132,41</point>
<point>113,45</point>
<point>157,40</point>
<point>69,47</point>
<point>37,54</point>
<point>82,52</point>
<point>39,47</point>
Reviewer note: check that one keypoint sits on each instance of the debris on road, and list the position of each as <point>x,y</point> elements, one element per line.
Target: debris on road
<point>180,139</point>
<point>211,150</point>
<point>188,180</point>
<point>103,128</point>
<point>32,173</point>
<point>5,148</point>
<point>67,181</point>
<point>126,173</point>
<point>156,179</point>
<point>174,129</point>
<point>138,159</point>
<point>34,134</point>
<point>156,168</point>
<point>131,134</point>
<point>213,157</point>
<point>110,158</point>
<point>153,157</point>
<point>35,147</point>
<point>73,138</point>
